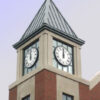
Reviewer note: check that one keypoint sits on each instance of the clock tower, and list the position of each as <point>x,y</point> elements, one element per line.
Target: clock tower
<point>49,60</point>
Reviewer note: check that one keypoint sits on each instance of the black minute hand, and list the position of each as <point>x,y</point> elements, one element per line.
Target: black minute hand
<point>63,53</point>
<point>30,54</point>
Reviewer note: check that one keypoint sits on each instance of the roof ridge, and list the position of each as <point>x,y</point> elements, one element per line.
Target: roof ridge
<point>46,11</point>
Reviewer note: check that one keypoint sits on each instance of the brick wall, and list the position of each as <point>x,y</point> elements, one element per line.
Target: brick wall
<point>13,94</point>
<point>95,92</point>
<point>45,86</point>
<point>84,92</point>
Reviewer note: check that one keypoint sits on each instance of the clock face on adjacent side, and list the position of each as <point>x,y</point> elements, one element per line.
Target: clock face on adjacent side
<point>62,55</point>
<point>31,57</point>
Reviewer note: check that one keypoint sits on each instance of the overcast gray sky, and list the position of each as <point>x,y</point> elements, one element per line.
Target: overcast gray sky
<point>15,16</point>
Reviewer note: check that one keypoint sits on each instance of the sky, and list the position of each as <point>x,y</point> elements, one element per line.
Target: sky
<point>15,16</point>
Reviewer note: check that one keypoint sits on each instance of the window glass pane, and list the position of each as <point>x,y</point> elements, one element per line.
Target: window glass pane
<point>70,69</point>
<point>29,70</point>
<point>53,53</point>
<point>54,63</point>
<point>64,97</point>
<point>65,69</point>
<point>53,56</point>
<point>34,45</point>
<point>28,98</point>
<point>34,67</point>
<point>25,71</point>
<point>59,44</point>
<point>59,67</point>
<point>37,44</point>
<point>70,50</point>
<point>69,98</point>
<point>54,43</point>
<point>53,49</point>
<point>71,63</point>
<point>65,46</point>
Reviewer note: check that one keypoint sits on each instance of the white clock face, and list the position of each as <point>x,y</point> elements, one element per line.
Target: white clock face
<point>62,55</point>
<point>31,57</point>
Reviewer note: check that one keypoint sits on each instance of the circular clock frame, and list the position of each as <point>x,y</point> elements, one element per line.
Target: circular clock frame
<point>64,65</point>
<point>34,61</point>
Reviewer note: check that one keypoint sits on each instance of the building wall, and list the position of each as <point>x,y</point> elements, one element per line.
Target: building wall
<point>67,86</point>
<point>95,92</point>
<point>13,94</point>
<point>89,94</point>
<point>26,88</point>
<point>84,92</point>
<point>45,86</point>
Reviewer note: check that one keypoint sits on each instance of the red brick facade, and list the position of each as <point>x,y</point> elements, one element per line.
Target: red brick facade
<point>13,94</point>
<point>84,92</point>
<point>95,92</point>
<point>45,86</point>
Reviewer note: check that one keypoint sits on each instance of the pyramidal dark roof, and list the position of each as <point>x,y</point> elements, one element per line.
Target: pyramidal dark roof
<point>49,17</point>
